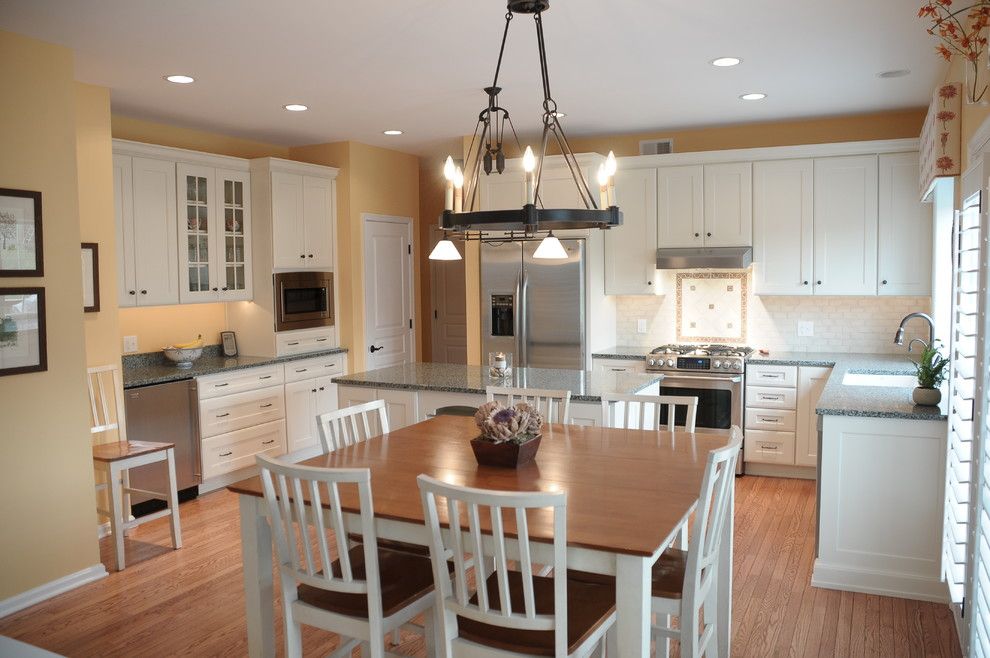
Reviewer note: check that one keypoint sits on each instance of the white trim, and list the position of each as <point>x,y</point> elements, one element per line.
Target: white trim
<point>142,150</point>
<point>410,266</point>
<point>268,165</point>
<point>780,470</point>
<point>978,142</point>
<point>883,583</point>
<point>51,589</point>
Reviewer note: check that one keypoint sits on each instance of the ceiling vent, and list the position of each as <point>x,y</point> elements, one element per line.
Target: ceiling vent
<point>656,146</point>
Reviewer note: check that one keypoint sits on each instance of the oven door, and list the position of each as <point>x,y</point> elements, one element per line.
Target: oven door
<point>720,400</point>
<point>303,300</point>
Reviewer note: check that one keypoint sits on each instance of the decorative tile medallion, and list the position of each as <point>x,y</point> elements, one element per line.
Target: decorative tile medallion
<point>711,306</point>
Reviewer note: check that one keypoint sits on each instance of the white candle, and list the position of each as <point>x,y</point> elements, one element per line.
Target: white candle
<point>458,190</point>
<point>529,166</point>
<point>602,187</point>
<point>448,174</point>
<point>610,168</point>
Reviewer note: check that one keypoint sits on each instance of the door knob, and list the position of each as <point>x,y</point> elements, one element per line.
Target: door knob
<point>376,349</point>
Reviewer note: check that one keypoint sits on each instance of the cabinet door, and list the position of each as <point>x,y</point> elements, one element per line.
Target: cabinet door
<point>401,407</point>
<point>631,249</point>
<point>233,216</point>
<point>156,275</point>
<point>300,414</point>
<point>904,264</point>
<point>558,190</point>
<point>287,220</point>
<point>729,205</point>
<point>680,206</point>
<point>783,227</point>
<point>811,382</point>
<point>123,214</point>
<point>325,400</point>
<point>846,225</point>
<point>505,191</point>
<point>317,222</point>
<point>197,227</point>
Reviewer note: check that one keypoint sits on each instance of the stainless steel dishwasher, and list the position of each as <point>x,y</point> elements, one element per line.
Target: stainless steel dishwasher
<point>167,413</point>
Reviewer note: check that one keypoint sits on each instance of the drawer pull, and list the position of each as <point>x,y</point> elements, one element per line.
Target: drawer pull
<point>224,415</point>
<point>617,369</point>
<point>268,442</point>
<point>772,375</point>
<point>764,419</point>
<point>265,377</point>
<point>302,370</point>
<point>265,406</point>
<point>769,446</point>
<point>223,384</point>
<point>764,396</point>
<point>330,365</point>
<point>226,454</point>
<point>293,343</point>
<point>322,340</point>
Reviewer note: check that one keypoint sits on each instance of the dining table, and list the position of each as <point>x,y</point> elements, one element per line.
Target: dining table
<point>628,493</point>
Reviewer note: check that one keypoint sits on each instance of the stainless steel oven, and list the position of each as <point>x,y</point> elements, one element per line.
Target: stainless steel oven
<point>303,300</point>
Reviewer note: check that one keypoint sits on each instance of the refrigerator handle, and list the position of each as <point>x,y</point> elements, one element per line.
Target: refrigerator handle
<point>523,319</point>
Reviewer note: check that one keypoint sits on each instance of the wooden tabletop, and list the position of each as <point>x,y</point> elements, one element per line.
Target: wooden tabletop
<point>627,490</point>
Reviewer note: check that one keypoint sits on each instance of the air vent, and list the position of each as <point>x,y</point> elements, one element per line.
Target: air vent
<point>656,146</point>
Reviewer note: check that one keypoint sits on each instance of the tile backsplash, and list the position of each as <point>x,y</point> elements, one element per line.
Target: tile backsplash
<point>841,324</point>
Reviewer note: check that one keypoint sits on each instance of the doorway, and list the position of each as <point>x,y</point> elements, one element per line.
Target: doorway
<point>390,338</point>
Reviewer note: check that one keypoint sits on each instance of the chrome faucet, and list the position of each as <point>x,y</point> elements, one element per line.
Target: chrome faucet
<point>899,336</point>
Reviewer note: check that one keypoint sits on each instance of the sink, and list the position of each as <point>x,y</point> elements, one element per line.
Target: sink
<point>864,379</point>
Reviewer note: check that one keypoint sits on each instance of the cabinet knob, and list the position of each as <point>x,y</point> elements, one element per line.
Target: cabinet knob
<point>144,292</point>
<point>884,282</point>
<point>309,255</point>
<point>818,283</point>
<point>225,288</point>
<point>302,255</point>
<point>649,283</point>
<point>131,292</point>
<point>321,388</point>
<point>215,289</point>
<point>697,235</point>
<point>313,390</point>
<point>804,283</point>
<point>708,234</point>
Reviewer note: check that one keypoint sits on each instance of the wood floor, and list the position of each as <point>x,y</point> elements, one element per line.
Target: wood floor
<point>190,602</point>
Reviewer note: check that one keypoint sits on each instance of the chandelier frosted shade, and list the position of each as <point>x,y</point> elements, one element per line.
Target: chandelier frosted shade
<point>550,249</point>
<point>445,250</point>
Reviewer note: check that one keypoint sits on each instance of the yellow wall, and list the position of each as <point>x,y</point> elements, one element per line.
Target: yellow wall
<point>46,474</point>
<point>158,326</point>
<point>372,180</point>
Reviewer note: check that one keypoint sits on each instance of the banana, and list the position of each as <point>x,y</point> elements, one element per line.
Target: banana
<point>193,344</point>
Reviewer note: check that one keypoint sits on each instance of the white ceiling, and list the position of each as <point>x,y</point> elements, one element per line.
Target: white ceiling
<point>616,66</point>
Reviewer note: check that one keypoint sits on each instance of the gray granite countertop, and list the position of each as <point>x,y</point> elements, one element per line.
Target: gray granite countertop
<point>622,352</point>
<point>153,368</point>
<point>839,399</point>
<point>584,386</point>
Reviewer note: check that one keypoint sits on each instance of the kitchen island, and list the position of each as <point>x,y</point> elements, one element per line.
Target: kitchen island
<point>414,391</point>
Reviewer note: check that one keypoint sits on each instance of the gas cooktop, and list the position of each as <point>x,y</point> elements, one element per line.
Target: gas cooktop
<point>704,358</point>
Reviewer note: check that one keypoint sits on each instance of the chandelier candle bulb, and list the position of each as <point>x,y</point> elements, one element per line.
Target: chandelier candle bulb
<point>602,187</point>
<point>529,166</point>
<point>610,168</point>
<point>458,190</point>
<point>448,174</point>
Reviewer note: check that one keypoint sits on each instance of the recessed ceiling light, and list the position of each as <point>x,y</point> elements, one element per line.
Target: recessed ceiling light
<point>896,73</point>
<point>725,61</point>
<point>753,97</point>
<point>295,107</point>
<point>180,79</point>
<point>391,132</point>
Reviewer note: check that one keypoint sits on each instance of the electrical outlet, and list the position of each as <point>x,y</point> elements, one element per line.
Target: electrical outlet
<point>641,326</point>
<point>806,328</point>
<point>130,344</point>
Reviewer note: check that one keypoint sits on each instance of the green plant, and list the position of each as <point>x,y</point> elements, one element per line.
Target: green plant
<point>931,367</point>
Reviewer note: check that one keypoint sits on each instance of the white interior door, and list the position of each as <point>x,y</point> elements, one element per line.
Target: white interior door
<point>449,324</point>
<point>388,308</point>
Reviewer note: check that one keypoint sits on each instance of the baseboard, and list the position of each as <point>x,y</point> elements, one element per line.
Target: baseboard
<point>884,583</point>
<point>53,588</point>
<point>780,471</point>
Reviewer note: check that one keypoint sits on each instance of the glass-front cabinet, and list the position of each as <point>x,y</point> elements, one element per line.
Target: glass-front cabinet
<point>214,230</point>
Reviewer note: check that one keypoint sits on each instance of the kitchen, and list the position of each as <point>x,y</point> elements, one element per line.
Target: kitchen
<point>763,264</point>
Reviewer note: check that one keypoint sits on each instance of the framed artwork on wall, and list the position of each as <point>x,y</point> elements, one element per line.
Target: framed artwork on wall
<point>20,233</point>
<point>23,341</point>
<point>91,276</point>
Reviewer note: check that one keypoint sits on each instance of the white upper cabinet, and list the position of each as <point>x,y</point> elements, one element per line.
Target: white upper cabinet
<point>501,192</point>
<point>846,225</point>
<point>681,210</point>
<point>783,227</point>
<point>287,212</point>
<point>904,265</point>
<point>631,249</point>
<point>507,191</point>
<point>728,205</point>
<point>302,220</point>
<point>144,200</point>
<point>317,222</point>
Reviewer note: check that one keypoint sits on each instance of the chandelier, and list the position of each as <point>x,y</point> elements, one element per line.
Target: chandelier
<point>487,154</point>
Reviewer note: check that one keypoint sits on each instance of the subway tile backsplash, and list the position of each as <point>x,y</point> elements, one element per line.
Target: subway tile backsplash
<point>841,324</point>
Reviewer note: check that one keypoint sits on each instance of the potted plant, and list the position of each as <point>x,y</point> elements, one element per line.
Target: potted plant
<point>931,369</point>
<point>510,436</point>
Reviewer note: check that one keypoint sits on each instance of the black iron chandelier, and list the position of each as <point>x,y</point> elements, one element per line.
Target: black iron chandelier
<point>487,154</point>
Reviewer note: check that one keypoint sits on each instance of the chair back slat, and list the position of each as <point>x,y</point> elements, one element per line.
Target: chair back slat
<point>300,499</point>
<point>645,412</point>
<point>506,538</point>
<point>106,400</point>
<point>345,427</point>
<point>554,405</point>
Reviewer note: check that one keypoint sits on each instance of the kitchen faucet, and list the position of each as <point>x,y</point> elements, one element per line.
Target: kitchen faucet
<point>899,336</point>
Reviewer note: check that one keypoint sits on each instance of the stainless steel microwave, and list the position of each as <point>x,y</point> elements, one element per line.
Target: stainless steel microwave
<point>303,300</point>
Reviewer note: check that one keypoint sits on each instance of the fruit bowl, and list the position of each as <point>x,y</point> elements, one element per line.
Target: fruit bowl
<point>183,357</point>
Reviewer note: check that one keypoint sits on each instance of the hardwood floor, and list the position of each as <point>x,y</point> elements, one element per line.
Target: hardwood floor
<point>190,602</point>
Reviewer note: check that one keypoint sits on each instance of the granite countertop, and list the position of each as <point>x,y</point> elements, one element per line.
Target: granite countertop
<point>839,399</point>
<point>584,386</point>
<point>153,368</point>
<point>622,352</point>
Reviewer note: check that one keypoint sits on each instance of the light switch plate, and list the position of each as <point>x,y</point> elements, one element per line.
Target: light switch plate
<point>641,326</point>
<point>806,328</point>
<point>130,344</point>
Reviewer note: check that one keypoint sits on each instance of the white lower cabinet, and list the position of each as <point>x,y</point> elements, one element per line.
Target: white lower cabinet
<point>305,400</point>
<point>236,450</point>
<point>811,383</point>
<point>402,407</point>
<point>618,365</point>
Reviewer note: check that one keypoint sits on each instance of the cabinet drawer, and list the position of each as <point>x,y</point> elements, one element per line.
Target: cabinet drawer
<point>303,341</point>
<point>784,376</point>
<point>236,450</point>
<point>239,381</point>
<point>769,447</point>
<point>227,413</point>
<point>619,365</point>
<point>315,367</point>
<point>765,397</point>
<point>780,420</point>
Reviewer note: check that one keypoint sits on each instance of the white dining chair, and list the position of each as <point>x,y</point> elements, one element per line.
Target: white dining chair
<point>686,582</point>
<point>362,591</point>
<point>497,611</point>
<point>643,412</point>
<point>351,425</point>
<point>554,405</point>
<point>115,458</point>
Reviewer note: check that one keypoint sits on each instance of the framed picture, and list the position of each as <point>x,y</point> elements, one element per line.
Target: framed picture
<point>91,276</point>
<point>20,233</point>
<point>229,343</point>
<point>23,345</point>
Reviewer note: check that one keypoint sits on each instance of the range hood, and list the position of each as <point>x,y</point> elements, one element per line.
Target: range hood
<point>723,258</point>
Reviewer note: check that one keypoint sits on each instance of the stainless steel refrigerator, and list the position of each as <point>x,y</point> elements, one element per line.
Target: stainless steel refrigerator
<point>534,308</point>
